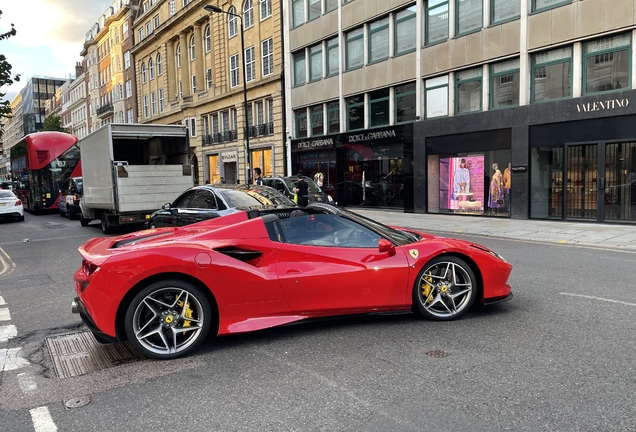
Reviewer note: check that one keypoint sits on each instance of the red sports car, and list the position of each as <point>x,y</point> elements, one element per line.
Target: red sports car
<point>165,289</point>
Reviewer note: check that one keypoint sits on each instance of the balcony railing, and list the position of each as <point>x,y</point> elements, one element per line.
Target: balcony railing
<point>105,111</point>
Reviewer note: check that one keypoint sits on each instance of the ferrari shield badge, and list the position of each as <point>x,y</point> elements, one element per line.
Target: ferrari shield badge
<point>414,253</point>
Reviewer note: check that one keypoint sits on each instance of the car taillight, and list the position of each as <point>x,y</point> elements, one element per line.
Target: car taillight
<point>18,202</point>
<point>88,268</point>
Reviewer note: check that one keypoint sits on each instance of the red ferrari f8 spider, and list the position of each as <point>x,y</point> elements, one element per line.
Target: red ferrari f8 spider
<point>165,289</point>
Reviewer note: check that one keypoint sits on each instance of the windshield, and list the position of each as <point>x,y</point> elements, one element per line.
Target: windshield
<point>237,198</point>
<point>6,194</point>
<point>313,187</point>
<point>400,238</point>
<point>79,183</point>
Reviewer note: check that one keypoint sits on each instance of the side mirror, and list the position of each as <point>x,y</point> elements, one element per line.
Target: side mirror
<point>166,206</point>
<point>386,246</point>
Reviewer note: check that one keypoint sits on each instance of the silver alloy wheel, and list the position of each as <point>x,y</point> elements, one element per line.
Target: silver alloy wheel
<point>168,321</point>
<point>445,289</point>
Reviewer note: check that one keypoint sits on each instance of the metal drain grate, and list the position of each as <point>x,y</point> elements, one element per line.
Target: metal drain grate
<point>437,354</point>
<point>79,353</point>
<point>54,226</point>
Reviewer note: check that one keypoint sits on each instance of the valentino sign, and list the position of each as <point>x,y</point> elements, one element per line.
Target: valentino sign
<point>609,104</point>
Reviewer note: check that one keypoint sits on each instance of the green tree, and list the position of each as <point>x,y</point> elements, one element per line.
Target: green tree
<point>5,78</point>
<point>53,123</point>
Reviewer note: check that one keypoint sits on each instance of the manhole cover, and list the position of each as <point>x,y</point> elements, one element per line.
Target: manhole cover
<point>54,226</point>
<point>437,354</point>
<point>77,402</point>
<point>79,353</point>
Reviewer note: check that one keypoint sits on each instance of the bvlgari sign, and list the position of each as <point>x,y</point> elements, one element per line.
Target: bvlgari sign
<point>609,104</point>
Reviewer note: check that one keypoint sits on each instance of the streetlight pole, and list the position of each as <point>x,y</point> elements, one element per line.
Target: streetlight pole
<point>211,8</point>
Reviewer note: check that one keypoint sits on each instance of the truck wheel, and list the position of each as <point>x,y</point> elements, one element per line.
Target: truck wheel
<point>84,222</point>
<point>106,228</point>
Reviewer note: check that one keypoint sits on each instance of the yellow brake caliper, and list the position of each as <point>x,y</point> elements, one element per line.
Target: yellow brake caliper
<point>426,288</point>
<point>188,313</point>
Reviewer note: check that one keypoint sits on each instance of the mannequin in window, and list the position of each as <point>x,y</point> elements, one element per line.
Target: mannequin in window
<point>496,195</point>
<point>507,183</point>
<point>461,181</point>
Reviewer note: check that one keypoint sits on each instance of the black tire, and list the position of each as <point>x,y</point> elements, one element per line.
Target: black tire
<point>84,222</point>
<point>21,218</point>
<point>182,333</point>
<point>152,225</point>
<point>62,214</point>
<point>445,289</point>
<point>106,228</point>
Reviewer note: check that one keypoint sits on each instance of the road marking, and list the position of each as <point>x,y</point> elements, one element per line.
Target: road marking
<point>6,265</point>
<point>42,421</point>
<point>2,301</point>
<point>10,359</point>
<point>7,332</point>
<point>5,315</point>
<point>599,298</point>
<point>27,383</point>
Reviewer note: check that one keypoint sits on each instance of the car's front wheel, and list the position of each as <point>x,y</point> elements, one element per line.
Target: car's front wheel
<point>168,319</point>
<point>445,289</point>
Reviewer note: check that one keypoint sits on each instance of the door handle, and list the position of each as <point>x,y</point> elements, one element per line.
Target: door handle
<point>293,271</point>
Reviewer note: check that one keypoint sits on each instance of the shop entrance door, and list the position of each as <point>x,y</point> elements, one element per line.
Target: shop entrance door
<point>600,182</point>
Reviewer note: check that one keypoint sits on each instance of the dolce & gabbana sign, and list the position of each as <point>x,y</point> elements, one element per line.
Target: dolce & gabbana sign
<point>390,133</point>
<point>326,142</point>
<point>609,104</point>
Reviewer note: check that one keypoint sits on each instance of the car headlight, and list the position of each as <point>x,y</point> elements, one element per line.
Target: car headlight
<point>491,252</point>
<point>329,198</point>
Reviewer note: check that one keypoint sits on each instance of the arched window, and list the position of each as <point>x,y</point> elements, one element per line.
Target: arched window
<point>232,22</point>
<point>143,73</point>
<point>248,14</point>
<point>151,69</point>
<point>178,55</point>
<point>159,65</point>
<point>192,48</point>
<point>206,36</point>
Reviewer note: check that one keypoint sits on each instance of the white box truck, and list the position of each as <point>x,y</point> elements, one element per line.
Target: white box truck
<point>131,170</point>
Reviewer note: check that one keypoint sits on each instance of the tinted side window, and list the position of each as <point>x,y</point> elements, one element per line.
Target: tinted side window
<point>184,200</point>
<point>327,230</point>
<point>203,199</point>
<point>280,186</point>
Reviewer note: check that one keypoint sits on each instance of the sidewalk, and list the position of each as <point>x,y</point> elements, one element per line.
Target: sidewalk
<point>607,236</point>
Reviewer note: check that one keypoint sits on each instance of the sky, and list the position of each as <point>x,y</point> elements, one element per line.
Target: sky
<point>50,36</point>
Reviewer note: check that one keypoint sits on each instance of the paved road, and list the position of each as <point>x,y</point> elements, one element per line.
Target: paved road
<point>559,356</point>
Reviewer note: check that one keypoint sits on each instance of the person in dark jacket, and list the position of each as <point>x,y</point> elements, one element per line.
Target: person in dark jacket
<point>302,190</point>
<point>258,179</point>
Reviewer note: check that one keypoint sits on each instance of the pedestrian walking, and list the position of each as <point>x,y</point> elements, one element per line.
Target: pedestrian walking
<point>302,190</point>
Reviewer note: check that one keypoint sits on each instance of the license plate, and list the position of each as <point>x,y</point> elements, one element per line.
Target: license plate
<point>3,204</point>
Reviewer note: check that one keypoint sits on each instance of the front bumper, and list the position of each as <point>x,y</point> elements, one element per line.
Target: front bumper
<point>77,307</point>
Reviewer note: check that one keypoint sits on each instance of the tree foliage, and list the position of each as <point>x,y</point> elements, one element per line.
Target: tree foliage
<point>53,123</point>
<point>5,77</point>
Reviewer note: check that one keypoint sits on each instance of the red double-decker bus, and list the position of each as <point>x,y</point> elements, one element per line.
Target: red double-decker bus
<point>40,163</point>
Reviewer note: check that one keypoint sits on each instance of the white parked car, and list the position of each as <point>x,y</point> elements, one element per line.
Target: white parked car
<point>10,206</point>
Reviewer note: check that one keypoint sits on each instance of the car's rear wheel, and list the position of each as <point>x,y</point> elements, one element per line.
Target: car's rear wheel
<point>21,218</point>
<point>152,225</point>
<point>168,319</point>
<point>106,228</point>
<point>445,289</point>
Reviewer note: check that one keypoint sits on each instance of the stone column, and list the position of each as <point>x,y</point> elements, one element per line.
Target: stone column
<point>199,57</point>
<point>186,82</point>
<point>170,69</point>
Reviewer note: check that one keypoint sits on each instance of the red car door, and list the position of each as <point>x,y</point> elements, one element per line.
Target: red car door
<point>322,273</point>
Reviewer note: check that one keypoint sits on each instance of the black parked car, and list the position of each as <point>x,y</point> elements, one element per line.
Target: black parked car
<point>287,186</point>
<point>69,199</point>
<point>200,203</point>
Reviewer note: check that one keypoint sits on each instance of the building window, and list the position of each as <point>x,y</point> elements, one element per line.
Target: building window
<point>225,117</point>
<point>144,77</point>
<point>270,111</point>
<point>317,120</point>
<point>552,75</point>
<point>606,64</point>
<point>379,40</point>
<point>436,25</point>
<point>159,65</point>
<point>192,48</point>
<point>468,90</point>
<point>124,30</point>
<point>250,65</point>
<point>179,55</point>
<point>469,16</point>
<point>331,5</point>
<point>313,9</point>
<point>128,89</point>
<point>193,127</point>
<point>267,51</point>
<point>333,59</point>
<point>379,108</point>
<point>355,48</point>
<point>540,5</point>
<point>404,31</point>
<point>156,20</point>
<point>298,12</point>
<point>153,103</point>
<point>129,114</point>
<point>145,106</point>
<point>250,114</point>
<point>232,22</point>
<point>148,28</point>
<point>315,62</point>
<point>234,70</point>
<point>266,9</point>
<point>161,100</point>
<point>126,59</point>
<point>151,69</point>
<point>333,117</point>
<point>504,10</point>
<point>260,114</point>
<point>121,92</point>
<point>208,78</point>
<point>504,84</point>
<point>299,68</point>
<point>404,103</point>
<point>206,35</point>
<point>215,124</point>
<point>194,84</point>
<point>180,89</point>
<point>141,34</point>
<point>355,113</point>
<point>436,97</point>
<point>248,14</point>
<point>173,7</point>
<point>300,119</point>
